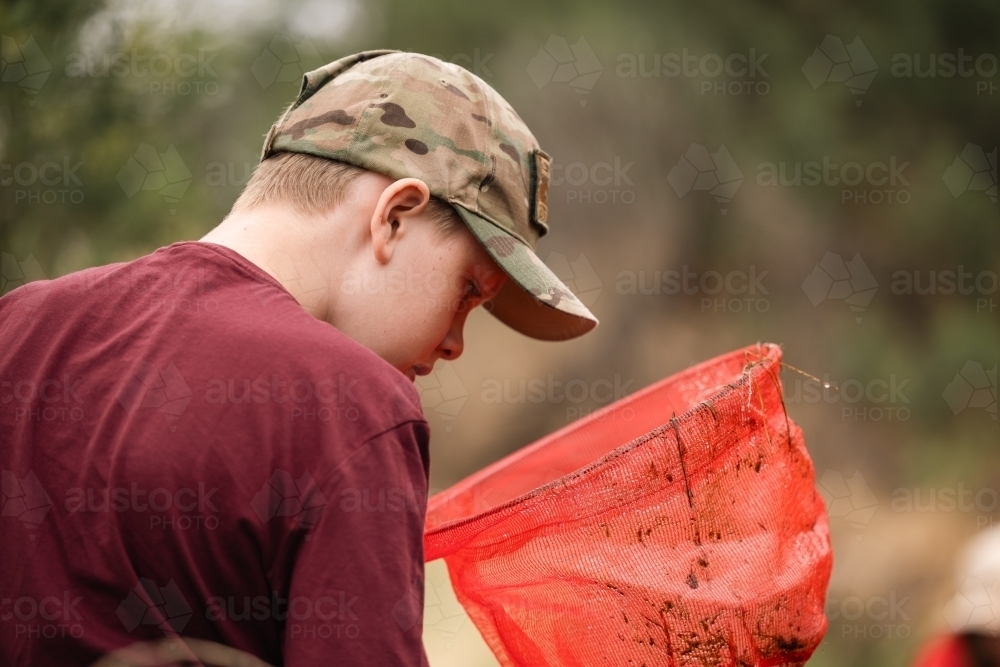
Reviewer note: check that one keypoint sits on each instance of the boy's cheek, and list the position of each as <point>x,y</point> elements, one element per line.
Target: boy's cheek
<point>442,304</point>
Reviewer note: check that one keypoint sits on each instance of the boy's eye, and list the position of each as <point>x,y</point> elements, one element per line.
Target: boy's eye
<point>473,290</point>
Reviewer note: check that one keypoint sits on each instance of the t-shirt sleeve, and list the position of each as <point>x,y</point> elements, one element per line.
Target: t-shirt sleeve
<point>357,586</point>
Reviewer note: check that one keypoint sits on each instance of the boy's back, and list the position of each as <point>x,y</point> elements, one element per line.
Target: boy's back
<point>242,457</point>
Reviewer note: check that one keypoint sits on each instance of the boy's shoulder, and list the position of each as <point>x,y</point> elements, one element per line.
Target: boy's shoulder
<point>258,333</point>
<point>224,322</point>
<point>322,364</point>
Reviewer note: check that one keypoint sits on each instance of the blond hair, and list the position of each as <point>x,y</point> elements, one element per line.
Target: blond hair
<point>313,184</point>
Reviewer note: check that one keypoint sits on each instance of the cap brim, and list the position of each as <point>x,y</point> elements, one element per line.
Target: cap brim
<point>534,301</point>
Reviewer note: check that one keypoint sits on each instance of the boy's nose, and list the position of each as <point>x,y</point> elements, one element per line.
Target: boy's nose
<point>453,344</point>
<point>451,350</point>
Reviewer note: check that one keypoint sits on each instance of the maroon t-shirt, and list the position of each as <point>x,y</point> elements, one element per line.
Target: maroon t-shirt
<point>186,451</point>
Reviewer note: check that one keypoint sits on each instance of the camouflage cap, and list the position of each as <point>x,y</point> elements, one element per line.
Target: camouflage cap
<point>410,115</point>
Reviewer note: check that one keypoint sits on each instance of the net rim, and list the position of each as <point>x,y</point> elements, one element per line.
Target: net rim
<point>766,354</point>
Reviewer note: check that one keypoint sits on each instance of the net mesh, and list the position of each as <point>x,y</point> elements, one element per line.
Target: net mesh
<point>678,526</point>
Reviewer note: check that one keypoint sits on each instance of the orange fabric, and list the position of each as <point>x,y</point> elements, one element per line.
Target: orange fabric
<point>679,526</point>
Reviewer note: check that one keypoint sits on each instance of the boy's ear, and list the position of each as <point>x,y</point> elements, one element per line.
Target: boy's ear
<point>399,204</point>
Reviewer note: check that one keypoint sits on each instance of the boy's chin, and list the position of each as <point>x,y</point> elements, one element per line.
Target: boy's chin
<point>418,369</point>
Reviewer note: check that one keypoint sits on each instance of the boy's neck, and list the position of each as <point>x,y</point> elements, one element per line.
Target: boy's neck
<point>287,246</point>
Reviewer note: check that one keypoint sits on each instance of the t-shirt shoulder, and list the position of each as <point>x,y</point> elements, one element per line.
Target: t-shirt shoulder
<point>266,323</point>
<point>316,352</point>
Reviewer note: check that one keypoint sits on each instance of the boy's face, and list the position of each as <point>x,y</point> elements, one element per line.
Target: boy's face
<point>437,283</point>
<point>411,288</point>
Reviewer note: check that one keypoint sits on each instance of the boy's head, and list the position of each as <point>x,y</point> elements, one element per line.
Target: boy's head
<point>447,190</point>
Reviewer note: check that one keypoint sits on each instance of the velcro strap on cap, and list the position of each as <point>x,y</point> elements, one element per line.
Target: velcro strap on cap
<point>538,211</point>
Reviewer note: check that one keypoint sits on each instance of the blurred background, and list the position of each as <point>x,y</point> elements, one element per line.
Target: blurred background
<point>821,175</point>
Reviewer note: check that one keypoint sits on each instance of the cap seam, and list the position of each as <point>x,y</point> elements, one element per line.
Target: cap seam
<point>277,128</point>
<point>299,99</point>
<point>491,120</point>
<point>368,116</point>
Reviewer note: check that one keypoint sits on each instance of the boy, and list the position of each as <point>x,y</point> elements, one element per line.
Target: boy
<point>189,448</point>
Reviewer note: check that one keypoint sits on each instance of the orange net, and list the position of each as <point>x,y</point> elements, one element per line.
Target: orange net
<point>678,526</point>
